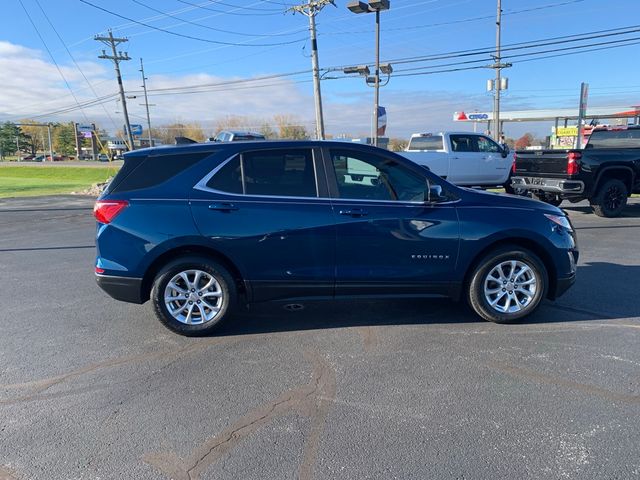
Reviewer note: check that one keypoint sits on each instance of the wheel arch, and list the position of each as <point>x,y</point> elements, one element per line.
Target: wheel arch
<point>620,172</point>
<point>527,243</point>
<point>185,250</point>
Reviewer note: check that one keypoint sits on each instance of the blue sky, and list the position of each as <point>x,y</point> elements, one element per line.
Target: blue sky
<point>409,29</point>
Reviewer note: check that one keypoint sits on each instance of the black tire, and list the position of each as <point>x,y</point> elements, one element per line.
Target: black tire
<point>548,198</point>
<point>222,295</point>
<point>611,198</point>
<point>477,298</point>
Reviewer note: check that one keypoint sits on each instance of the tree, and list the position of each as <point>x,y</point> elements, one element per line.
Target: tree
<point>268,131</point>
<point>168,133</point>
<point>524,141</point>
<point>230,122</point>
<point>397,144</point>
<point>288,128</point>
<point>64,139</point>
<point>35,137</point>
<point>9,139</point>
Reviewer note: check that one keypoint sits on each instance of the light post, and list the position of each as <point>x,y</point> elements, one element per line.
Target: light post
<point>373,6</point>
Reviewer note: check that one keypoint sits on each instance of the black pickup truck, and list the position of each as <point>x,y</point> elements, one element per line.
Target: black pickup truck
<point>606,172</point>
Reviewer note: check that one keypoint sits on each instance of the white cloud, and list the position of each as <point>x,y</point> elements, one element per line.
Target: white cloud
<point>31,86</point>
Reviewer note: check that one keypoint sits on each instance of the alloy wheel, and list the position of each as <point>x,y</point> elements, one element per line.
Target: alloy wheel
<point>194,297</point>
<point>510,286</point>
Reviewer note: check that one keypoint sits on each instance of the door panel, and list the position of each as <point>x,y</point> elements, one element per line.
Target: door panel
<point>389,247</point>
<point>283,245</point>
<point>390,240</point>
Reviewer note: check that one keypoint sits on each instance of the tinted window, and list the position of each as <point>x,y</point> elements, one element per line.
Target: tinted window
<point>464,143</point>
<point>615,139</point>
<point>426,143</point>
<point>285,173</point>
<point>369,177</point>
<point>487,145</point>
<point>144,172</point>
<point>242,138</point>
<point>228,178</point>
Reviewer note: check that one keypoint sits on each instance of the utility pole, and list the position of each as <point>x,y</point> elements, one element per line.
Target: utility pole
<point>50,144</point>
<point>499,84</point>
<point>117,57</point>
<point>311,9</point>
<point>146,102</point>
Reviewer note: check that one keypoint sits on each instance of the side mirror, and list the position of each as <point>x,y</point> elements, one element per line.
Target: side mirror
<point>505,151</point>
<point>435,193</point>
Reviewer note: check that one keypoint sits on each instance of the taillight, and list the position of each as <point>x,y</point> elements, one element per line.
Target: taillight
<point>513,165</point>
<point>573,167</point>
<point>106,210</point>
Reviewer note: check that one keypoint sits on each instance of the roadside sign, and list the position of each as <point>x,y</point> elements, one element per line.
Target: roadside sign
<point>136,129</point>
<point>85,128</point>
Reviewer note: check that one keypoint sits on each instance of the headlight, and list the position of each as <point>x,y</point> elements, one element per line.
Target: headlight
<point>560,220</point>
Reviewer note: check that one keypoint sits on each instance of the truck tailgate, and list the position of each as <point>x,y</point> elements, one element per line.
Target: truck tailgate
<point>546,162</point>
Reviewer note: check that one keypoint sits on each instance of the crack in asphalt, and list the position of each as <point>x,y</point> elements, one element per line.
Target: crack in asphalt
<point>311,400</point>
<point>42,385</point>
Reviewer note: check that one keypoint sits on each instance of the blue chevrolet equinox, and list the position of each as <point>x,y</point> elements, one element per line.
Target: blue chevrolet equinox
<point>202,229</point>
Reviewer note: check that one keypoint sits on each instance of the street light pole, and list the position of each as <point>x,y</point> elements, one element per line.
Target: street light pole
<point>376,101</point>
<point>376,6</point>
<point>496,103</point>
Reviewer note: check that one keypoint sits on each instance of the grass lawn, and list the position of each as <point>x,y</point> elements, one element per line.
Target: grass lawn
<point>48,180</point>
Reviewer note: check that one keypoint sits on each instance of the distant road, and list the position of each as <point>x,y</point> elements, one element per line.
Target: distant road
<point>74,163</point>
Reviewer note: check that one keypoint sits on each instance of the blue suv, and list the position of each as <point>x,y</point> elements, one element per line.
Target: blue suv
<point>201,229</point>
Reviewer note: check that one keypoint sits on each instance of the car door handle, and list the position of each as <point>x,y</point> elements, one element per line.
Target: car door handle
<point>223,207</point>
<point>356,212</point>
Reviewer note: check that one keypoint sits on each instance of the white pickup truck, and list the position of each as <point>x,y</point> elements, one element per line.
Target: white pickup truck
<point>463,158</point>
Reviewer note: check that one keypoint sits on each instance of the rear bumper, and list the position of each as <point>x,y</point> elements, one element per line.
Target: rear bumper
<point>551,185</point>
<point>125,289</point>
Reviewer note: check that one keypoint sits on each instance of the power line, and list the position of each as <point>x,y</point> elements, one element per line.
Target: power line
<point>203,7</point>
<point>52,57</point>
<point>190,37</point>
<point>77,66</point>
<point>215,29</point>
<point>463,20</point>
<point>529,54</point>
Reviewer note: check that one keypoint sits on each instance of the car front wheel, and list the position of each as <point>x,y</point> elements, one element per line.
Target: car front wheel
<point>507,284</point>
<point>193,295</point>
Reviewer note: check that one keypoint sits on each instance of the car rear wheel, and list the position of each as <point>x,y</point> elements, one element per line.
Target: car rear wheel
<point>508,284</point>
<point>193,295</point>
<point>611,198</point>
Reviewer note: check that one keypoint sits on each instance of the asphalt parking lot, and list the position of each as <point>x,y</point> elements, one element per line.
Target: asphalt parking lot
<point>91,388</point>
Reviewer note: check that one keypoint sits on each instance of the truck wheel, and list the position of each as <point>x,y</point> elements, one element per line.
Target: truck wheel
<point>546,198</point>
<point>192,295</point>
<point>508,284</point>
<point>611,198</point>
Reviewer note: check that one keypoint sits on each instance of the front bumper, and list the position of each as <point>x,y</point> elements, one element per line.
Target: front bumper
<point>564,284</point>
<point>551,185</point>
<point>125,289</point>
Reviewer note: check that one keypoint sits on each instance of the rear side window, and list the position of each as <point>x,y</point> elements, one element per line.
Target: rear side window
<point>426,143</point>
<point>282,173</point>
<point>228,178</point>
<point>615,139</point>
<point>464,143</point>
<point>146,172</point>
